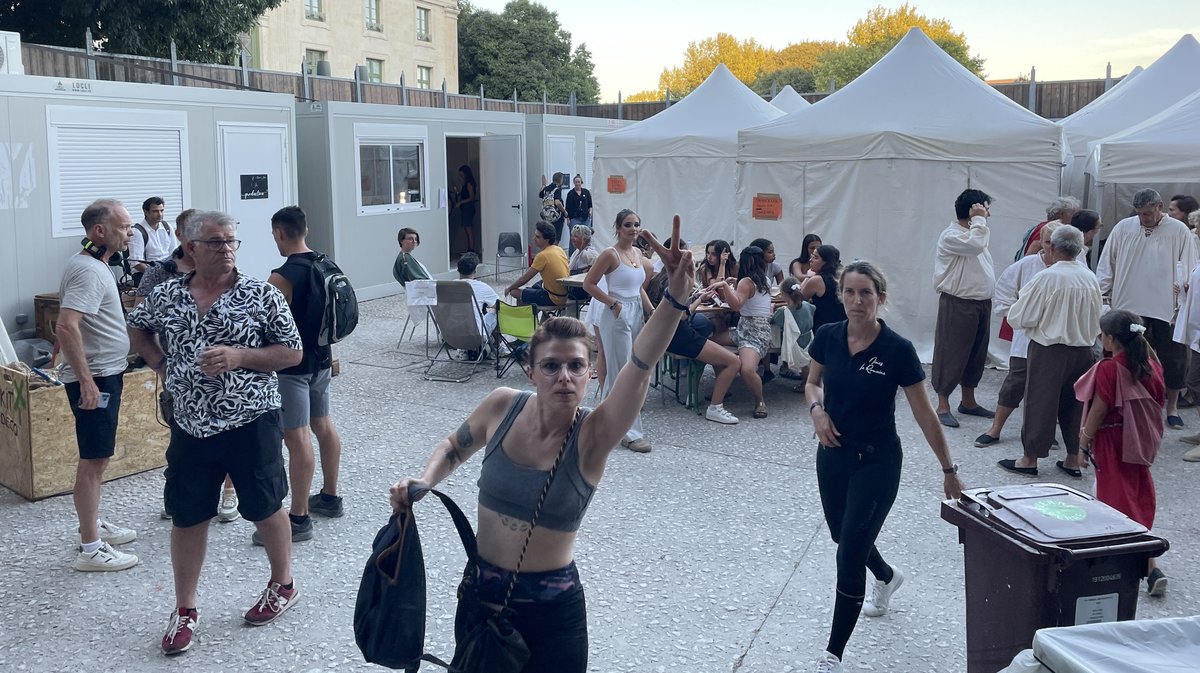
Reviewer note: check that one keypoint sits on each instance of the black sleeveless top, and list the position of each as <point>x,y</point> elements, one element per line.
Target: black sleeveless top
<point>829,308</point>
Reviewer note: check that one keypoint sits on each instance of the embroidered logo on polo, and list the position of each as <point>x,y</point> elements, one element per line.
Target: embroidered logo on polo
<point>250,315</point>
<point>873,366</point>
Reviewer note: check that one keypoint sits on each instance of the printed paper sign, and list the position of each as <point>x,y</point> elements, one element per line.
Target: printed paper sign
<point>767,207</point>
<point>616,184</point>
<point>1096,609</point>
<point>421,293</point>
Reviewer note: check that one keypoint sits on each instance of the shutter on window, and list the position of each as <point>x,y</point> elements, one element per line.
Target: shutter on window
<point>127,163</point>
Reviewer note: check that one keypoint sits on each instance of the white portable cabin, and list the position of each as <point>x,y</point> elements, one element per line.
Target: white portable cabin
<point>564,144</point>
<point>789,101</point>
<point>368,170</point>
<point>681,160</point>
<point>1168,80</point>
<point>1162,152</point>
<point>875,168</point>
<point>69,142</point>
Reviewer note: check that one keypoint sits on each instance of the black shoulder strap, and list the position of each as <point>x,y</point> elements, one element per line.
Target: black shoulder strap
<point>465,532</point>
<point>145,234</point>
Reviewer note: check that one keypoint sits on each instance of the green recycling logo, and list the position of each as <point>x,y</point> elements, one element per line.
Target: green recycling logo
<point>1057,509</point>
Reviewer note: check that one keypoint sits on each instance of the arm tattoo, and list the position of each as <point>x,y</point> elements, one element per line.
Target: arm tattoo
<point>463,436</point>
<point>452,456</point>
<point>637,362</point>
<point>514,524</point>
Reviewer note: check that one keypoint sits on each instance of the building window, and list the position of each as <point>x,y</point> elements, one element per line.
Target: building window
<point>374,70</point>
<point>311,56</point>
<point>392,175</point>
<point>423,25</point>
<point>371,14</point>
<point>424,77</point>
<point>314,9</point>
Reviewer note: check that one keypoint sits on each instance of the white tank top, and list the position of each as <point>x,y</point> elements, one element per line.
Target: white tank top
<point>625,280</point>
<point>757,306</point>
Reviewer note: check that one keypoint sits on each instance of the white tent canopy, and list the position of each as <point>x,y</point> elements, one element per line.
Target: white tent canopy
<point>874,170</point>
<point>681,160</point>
<point>1162,152</point>
<point>1174,76</point>
<point>788,100</point>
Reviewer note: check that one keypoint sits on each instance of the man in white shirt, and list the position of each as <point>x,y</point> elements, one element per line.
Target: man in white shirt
<point>1008,287</point>
<point>1060,312</point>
<point>964,278</point>
<point>153,241</point>
<point>1144,267</point>
<point>484,294</point>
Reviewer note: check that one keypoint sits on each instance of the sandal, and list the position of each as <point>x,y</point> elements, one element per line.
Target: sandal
<point>760,411</point>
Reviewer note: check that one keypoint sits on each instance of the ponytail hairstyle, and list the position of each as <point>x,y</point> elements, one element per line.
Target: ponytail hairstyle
<point>790,289</point>
<point>1127,329</point>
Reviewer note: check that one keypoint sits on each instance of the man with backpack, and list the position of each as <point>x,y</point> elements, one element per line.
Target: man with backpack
<point>553,210</point>
<point>305,387</point>
<point>153,240</point>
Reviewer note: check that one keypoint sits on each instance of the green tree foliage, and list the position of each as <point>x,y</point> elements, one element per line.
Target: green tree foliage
<point>799,78</point>
<point>872,37</point>
<point>203,30</point>
<point>522,48</point>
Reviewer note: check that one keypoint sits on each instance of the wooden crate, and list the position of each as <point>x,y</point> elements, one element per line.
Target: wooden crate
<point>38,452</point>
<point>45,313</point>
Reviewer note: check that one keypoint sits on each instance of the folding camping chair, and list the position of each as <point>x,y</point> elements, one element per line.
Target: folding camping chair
<point>460,322</point>
<point>514,328</point>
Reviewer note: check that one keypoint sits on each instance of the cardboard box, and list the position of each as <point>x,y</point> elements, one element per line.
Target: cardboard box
<point>45,313</point>
<point>38,452</point>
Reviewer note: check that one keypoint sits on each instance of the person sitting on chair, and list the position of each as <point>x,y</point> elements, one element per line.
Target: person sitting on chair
<point>551,262</point>
<point>407,267</point>
<point>484,294</point>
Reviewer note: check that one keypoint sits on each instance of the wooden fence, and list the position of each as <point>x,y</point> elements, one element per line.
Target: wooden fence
<point>1053,100</point>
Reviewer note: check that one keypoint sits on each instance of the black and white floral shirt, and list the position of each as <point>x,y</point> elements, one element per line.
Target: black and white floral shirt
<point>251,314</point>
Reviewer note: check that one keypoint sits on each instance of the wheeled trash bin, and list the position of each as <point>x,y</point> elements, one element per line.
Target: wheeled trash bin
<point>1042,555</point>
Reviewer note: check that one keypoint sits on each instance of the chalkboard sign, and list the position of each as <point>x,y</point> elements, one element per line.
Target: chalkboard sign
<point>254,187</point>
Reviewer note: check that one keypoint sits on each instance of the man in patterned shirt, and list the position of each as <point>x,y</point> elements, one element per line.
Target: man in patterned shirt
<point>227,334</point>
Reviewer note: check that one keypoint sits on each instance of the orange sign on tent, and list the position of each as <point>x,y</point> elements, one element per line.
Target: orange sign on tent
<point>767,207</point>
<point>616,184</point>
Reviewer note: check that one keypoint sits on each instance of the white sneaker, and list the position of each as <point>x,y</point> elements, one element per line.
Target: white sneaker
<point>876,604</point>
<point>105,559</point>
<point>828,663</point>
<point>719,414</point>
<point>228,509</point>
<point>1193,455</point>
<point>110,533</point>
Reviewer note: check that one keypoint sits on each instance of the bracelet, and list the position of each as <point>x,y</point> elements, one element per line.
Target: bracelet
<point>953,469</point>
<point>673,301</point>
<point>814,405</point>
<point>613,305</point>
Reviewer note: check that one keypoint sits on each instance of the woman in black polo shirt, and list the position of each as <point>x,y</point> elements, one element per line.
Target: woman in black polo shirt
<point>857,365</point>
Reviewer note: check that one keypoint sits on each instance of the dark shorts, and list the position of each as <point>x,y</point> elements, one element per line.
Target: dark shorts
<point>690,337</point>
<point>252,456</point>
<point>96,429</point>
<point>537,295</point>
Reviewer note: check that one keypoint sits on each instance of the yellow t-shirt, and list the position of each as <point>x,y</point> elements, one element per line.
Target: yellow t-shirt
<point>552,264</point>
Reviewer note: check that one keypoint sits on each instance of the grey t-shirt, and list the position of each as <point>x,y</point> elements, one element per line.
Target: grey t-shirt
<point>89,287</point>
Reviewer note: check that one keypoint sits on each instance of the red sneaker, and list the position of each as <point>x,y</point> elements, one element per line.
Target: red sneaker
<point>271,603</point>
<point>180,630</point>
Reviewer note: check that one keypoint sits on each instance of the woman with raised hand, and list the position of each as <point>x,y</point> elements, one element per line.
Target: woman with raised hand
<point>821,286</point>
<point>856,367</point>
<point>625,270</point>
<point>751,299</point>
<point>526,435</point>
<point>718,263</point>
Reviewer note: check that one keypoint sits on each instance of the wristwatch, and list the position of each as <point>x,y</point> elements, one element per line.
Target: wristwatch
<point>953,469</point>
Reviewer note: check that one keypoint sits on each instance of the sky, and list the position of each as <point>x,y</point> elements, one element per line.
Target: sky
<point>633,40</point>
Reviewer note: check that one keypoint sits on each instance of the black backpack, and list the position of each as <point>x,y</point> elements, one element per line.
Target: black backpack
<point>389,613</point>
<point>331,301</point>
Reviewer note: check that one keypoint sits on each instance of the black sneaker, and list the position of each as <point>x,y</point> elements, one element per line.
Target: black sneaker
<point>300,532</point>
<point>1156,583</point>
<point>325,505</point>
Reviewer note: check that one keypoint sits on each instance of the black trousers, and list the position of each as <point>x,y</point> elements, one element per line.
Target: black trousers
<point>555,631</point>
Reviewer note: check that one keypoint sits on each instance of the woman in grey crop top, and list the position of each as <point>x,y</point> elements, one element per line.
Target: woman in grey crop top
<point>523,434</point>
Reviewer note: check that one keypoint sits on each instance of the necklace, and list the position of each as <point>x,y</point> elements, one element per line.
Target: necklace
<point>627,260</point>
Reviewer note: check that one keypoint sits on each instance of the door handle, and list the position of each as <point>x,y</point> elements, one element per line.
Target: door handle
<point>517,206</point>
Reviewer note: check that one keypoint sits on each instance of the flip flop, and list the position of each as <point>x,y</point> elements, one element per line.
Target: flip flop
<point>1011,465</point>
<point>1175,422</point>
<point>1073,471</point>
<point>947,419</point>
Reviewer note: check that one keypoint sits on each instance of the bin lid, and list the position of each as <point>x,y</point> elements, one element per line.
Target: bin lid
<point>1049,513</point>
